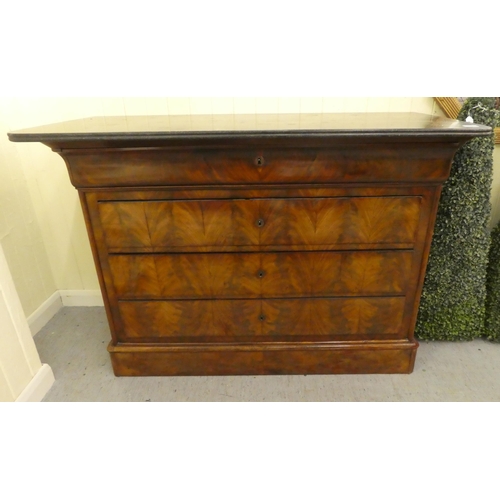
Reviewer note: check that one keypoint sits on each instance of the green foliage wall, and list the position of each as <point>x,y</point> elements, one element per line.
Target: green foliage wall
<point>452,306</point>
<point>492,321</point>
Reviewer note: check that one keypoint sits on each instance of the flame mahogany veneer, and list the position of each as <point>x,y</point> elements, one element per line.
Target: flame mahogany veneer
<point>287,244</point>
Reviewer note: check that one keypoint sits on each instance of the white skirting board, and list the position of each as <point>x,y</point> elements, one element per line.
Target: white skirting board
<point>40,384</point>
<point>44,313</point>
<point>81,298</point>
<point>68,298</point>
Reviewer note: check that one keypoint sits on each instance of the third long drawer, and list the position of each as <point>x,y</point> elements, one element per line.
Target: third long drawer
<point>250,320</point>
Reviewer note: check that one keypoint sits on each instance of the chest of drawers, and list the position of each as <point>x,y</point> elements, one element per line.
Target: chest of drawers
<point>259,245</point>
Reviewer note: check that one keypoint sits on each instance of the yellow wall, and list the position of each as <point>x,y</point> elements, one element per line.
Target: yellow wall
<point>495,189</point>
<point>41,225</point>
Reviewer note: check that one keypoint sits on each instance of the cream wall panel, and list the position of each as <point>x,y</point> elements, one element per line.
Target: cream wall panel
<point>57,212</point>
<point>6,393</point>
<point>495,190</point>
<point>332,105</point>
<point>244,105</point>
<point>71,108</point>
<point>179,105</point>
<point>311,105</point>
<point>156,106</point>
<point>70,253</point>
<point>267,105</point>
<point>201,106</point>
<point>135,105</point>
<point>376,104</point>
<point>59,217</point>
<point>113,106</point>
<point>141,106</point>
<point>12,357</point>
<point>19,360</point>
<point>20,233</point>
<point>401,104</point>
<point>422,105</point>
<point>289,105</point>
<point>355,105</point>
<point>223,105</point>
<point>302,105</point>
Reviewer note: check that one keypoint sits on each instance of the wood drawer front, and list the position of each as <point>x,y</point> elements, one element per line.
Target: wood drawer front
<point>229,320</point>
<point>232,225</point>
<point>252,275</point>
<point>160,167</point>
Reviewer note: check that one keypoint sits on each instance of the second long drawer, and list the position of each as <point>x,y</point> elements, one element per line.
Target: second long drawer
<point>334,223</point>
<point>266,274</point>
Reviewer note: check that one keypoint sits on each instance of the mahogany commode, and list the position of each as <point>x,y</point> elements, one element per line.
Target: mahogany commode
<point>259,244</point>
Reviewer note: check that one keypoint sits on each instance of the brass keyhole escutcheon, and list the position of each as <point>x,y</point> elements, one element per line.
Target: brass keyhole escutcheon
<point>259,161</point>
<point>260,223</point>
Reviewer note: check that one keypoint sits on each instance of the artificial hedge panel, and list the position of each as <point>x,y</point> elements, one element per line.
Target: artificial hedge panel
<point>492,321</point>
<point>452,305</point>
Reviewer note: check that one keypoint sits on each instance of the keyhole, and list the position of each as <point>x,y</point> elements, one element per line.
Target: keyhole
<point>262,317</point>
<point>261,274</point>
<point>260,222</point>
<point>259,160</point>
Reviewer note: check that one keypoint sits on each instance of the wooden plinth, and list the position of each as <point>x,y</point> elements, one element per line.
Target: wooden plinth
<point>292,359</point>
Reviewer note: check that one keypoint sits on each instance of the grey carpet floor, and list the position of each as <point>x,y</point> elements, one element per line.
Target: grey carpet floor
<point>74,344</point>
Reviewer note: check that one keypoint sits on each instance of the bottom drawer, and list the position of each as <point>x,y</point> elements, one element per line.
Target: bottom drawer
<point>271,319</point>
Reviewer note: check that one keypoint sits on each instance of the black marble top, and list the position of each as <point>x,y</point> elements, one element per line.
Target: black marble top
<point>220,126</point>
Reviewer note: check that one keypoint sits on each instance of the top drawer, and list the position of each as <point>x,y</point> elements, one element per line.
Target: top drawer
<point>162,167</point>
<point>260,224</point>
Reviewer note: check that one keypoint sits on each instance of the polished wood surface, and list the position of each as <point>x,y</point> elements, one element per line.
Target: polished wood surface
<point>273,319</point>
<point>284,359</point>
<point>262,274</point>
<point>222,224</point>
<point>226,164</point>
<point>259,245</point>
